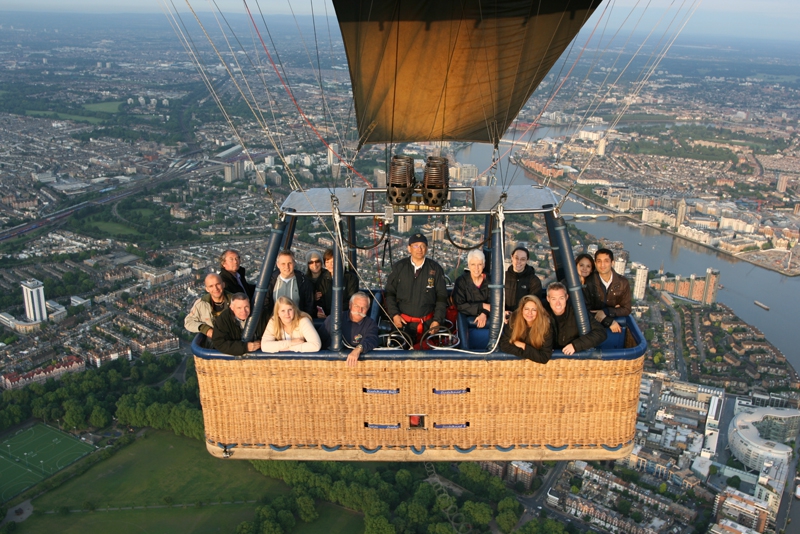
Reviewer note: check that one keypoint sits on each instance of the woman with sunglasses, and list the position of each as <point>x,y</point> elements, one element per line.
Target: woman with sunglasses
<point>323,283</point>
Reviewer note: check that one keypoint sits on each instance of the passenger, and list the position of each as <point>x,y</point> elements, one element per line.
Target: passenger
<point>289,329</point>
<point>233,274</point>
<point>323,283</point>
<point>521,279</point>
<point>358,329</point>
<point>350,278</point>
<point>529,332</point>
<point>208,307</point>
<point>416,292</point>
<point>471,290</point>
<point>567,336</point>
<point>585,264</point>
<point>608,295</point>
<point>229,326</point>
<point>291,283</point>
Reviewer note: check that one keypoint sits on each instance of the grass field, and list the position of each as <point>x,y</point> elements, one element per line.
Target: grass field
<point>64,116</point>
<point>108,107</point>
<point>190,520</point>
<point>165,465</point>
<point>162,465</point>
<point>144,212</point>
<point>116,228</point>
<point>205,520</point>
<point>33,454</point>
<point>332,520</point>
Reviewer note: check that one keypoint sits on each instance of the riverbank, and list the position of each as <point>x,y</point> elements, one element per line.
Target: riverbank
<point>744,256</point>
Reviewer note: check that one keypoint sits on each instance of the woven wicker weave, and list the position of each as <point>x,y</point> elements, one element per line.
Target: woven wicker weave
<point>515,409</point>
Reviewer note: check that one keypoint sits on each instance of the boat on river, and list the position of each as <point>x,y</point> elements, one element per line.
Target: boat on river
<point>761,305</point>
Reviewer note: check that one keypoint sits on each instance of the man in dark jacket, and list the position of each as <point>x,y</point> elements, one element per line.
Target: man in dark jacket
<point>608,294</point>
<point>229,326</point>
<point>289,282</point>
<point>567,336</point>
<point>521,279</point>
<point>416,292</point>
<point>359,331</point>
<point>233,274</point>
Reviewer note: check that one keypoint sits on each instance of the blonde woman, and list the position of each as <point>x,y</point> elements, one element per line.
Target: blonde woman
<point>529,332</point>
<point>289,330</point>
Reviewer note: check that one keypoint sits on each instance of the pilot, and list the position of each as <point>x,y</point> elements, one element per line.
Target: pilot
<point>416,292</point>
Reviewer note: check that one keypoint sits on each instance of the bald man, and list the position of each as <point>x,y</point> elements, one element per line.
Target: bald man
<point>208,307</point>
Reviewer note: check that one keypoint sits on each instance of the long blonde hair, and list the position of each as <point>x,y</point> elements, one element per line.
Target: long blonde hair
<point>540,328</point>
<point>277,324</point>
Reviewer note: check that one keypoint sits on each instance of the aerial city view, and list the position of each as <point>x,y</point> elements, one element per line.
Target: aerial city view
<point>213,221</point>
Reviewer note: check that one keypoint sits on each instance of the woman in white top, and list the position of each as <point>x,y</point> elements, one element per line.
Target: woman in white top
<point>289,329</point>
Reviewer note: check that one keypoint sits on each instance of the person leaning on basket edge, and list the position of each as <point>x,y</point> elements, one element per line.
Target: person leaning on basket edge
<point>228,328</point>
<point>529,332</point>
<point>359,330</point>
<point>289,330</point>
<point>566,335</point>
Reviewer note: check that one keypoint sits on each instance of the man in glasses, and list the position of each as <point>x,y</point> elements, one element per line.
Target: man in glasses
<point>416,292</point>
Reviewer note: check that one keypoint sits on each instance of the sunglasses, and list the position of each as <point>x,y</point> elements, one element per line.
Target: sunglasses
<point>314,261</point>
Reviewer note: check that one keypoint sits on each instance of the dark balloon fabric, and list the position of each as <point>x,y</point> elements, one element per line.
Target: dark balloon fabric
<point>451,69</point>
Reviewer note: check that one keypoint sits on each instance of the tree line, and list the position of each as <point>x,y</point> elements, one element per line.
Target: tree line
<point>117,389</point>
<point>395,498</point>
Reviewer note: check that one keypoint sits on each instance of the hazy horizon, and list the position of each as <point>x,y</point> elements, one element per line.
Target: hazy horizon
<point>768,19</point>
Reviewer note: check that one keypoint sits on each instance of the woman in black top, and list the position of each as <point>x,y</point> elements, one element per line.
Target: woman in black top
<point>529,332</point>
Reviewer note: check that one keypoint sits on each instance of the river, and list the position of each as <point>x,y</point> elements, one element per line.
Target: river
<point>743,282</point>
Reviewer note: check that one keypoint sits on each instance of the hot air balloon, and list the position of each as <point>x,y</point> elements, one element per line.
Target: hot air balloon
<point>440,71</point>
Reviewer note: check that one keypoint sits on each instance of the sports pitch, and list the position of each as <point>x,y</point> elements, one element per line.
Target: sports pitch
<point>34,454</point>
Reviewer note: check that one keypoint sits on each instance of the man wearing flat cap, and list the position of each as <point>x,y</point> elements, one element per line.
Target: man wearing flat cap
<point>416,292</point>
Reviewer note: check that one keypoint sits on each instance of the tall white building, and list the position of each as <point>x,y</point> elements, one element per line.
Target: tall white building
<point>620,264</point>
<point>333,149</point>
<point>404,224</point>
<point>640,282</point>
<point>35,307</point>
<point>681,213</point>
<point>783,180</point>
<point>380,177</point>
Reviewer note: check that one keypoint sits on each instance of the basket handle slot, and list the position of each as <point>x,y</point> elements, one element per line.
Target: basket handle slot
<point>448,426</point>
<point>394,391</point>
<point>451,391</point>
<point>381,427</point>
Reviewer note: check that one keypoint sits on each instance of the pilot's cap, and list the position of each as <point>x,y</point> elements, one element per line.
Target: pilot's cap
<point>417,238</point>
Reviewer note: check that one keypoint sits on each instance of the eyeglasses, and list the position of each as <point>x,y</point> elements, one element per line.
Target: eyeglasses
<point>314,261</point>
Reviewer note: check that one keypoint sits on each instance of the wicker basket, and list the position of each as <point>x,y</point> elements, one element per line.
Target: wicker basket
<point>498,408</point>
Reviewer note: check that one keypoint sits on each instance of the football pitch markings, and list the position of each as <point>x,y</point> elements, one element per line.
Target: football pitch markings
<point>33,454</point>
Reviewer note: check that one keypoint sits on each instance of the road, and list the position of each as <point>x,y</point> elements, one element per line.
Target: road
<point>118,194</point>
<point>680,361</point>
<point>789,511</point>
<point>698,335</point>
<point>536,503</point>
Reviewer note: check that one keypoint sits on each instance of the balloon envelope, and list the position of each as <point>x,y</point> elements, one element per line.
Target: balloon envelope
<point>451,69</point>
